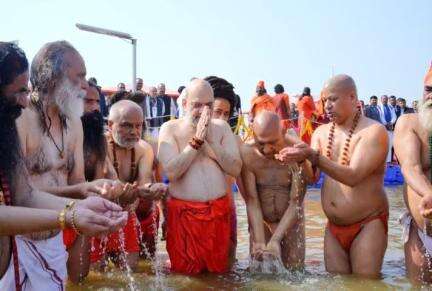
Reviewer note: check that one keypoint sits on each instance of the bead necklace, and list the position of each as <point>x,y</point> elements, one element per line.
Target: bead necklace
<point>345,160</point>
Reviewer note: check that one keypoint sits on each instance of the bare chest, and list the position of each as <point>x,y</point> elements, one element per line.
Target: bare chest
<point>45,155</point>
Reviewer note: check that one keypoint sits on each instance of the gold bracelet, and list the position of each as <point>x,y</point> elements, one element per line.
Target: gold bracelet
<point>62,219</point>
<point>74,227</point>
<point>70,205</point>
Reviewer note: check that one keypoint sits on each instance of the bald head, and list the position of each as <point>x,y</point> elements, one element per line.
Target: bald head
<point>199,89</point>
<point>267,133</point>
<point>197,95</point>
<point>266,122</point>
<point>341,98</point>
<point>124,108</point>
<point>342,84</point>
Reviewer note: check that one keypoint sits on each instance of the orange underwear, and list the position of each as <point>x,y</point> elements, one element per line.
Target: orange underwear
<point>198,235</point>
<point>345,234</point>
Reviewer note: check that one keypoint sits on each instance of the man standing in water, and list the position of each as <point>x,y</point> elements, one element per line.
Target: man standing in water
<point>274,193</point>
<point>413,147</point>
<point>29,271</point>
<point>197,153</point>
<point>51,138</point>
<point>352,196</point>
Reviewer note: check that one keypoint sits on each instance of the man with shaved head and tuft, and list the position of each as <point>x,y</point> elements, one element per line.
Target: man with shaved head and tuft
<point>196,153</point>
<point>351,151</point>
<point>274,193</point>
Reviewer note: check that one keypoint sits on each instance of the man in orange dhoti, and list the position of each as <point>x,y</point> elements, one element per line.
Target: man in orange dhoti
<point>197,153</point>
<point>262,101</point>
<point>282,106</point>
<point>306,108</point>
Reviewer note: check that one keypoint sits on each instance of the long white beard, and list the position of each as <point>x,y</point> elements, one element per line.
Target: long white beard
<point>69,99</point>
<point>425,114</point>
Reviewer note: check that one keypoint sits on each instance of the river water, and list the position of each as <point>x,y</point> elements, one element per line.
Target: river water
<point>314,278</point>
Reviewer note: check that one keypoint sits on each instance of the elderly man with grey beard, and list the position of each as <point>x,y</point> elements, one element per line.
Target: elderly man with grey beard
<point>413,146</point>
<point>51,137</point>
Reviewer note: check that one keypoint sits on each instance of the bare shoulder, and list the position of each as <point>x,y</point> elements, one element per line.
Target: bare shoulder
<point>143,148</point>
<point>322,130</point>
<point>406,122</point>
<point>371,128</point>
<point>247,152</point>
<point>170,125</point>
<point>27,116</point>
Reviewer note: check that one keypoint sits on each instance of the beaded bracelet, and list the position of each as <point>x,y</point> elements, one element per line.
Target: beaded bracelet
<point>73,224</point>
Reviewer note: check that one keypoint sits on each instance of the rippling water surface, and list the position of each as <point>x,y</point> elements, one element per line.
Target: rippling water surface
<point>315,277</point>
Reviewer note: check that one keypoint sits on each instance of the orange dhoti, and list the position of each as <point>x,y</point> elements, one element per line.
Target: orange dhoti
<point>198,235</point>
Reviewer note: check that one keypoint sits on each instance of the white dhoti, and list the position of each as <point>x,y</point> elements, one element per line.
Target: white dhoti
<point>406,220</point>
<point>42,265</point>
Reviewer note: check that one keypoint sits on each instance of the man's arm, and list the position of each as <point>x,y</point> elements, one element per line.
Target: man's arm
<point>174,163</point>
<point>407,147</point>
<point>225,153</point>
<point>373,145</point>
<point>20,220</point>
<point>292,213</point>
<point>253,207</point>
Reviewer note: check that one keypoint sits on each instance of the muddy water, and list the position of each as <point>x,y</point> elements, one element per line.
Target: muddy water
<point>315,277</point>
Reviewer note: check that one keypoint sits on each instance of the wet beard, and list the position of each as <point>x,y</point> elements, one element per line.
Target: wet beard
<point>94,139</point>
<point>425,115</point>
<point>69,99</point>
<point>10,154</point>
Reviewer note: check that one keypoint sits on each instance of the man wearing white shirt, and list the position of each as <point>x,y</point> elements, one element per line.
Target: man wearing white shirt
<point>388,119</point>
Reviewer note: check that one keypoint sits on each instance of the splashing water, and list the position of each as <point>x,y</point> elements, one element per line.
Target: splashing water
<point>123,258</point>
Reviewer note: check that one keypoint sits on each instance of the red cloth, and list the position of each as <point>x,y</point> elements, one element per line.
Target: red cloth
<point>347,233</point>
<point>149,230</point>
<point>111,243</point>
<point>198,235</point>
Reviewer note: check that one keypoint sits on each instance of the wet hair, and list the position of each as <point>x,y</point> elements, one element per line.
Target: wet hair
<point>222,89</point>
<point>279,89</point>
<point>49,65</point>
<point>13,62</point>
<point>373,97</point>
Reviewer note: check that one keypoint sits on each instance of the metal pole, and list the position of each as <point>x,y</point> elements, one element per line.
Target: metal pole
<point>134,44</point>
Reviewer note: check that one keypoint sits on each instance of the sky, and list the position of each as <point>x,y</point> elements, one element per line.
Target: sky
<point>386,46</point>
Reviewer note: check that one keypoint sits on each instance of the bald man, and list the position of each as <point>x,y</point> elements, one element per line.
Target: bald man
<point>132,159</point>
<point>274,193</point>
<point>196,153</point>
<point>413,147</point>
<point>352,196</point>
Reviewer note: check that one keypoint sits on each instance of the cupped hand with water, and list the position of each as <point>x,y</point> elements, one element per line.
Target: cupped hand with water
<point>154,191</point>
<point>273,250</point>
<point>295,154</point>
<point>95,216</point>
<point>258,250</point>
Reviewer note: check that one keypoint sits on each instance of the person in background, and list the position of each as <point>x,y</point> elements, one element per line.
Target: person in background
<point>306,108</point>
<point>102,101</point>
<point>388,119</point>
<point>372,111</point>
<point>403,108</point>
<point>170,107</point>
<point>415,106</point>
<point>281,101</point>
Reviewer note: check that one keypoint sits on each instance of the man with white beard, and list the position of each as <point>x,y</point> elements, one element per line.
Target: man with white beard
<point>51,136</point>
<point>413,147</point>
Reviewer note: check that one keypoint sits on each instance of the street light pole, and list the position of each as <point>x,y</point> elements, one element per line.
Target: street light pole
<point>119,35</point>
